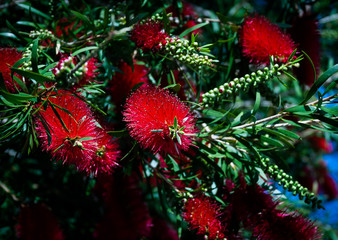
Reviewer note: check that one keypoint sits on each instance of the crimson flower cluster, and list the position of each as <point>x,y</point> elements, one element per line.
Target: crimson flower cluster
<point>261,39</point>
<point>68,130</point>
<point>258,212</point>
<point>8,57</point>
<point>159,121</point>
<point>203,214</point>
<point>122,82</point>
<point>149,35</point>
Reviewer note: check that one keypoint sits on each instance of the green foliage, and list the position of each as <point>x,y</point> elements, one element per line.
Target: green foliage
<point>250,119</point>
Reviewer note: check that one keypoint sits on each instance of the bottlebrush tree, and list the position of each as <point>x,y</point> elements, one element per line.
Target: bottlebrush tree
<point>165,120</point>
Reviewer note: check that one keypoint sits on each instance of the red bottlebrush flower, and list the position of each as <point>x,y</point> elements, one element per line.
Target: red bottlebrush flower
<point>149,35</point>
<point>159,121</point>
<point>329,187</point>
<point>37,222</point>
<point>8,57</point>
<point>305,32</point>
<point>122,83</point>
<point>105,159</point>
<point>320,143</point>
<point>203,214</point>
<point>127,216</point>
<point>261,39</point>
<point>74,140</point>
<point>247,203</point>
<point>84,75</point>
<point>282,226</point>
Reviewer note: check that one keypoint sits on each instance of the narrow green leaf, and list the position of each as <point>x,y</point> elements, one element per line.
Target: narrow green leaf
<point>301,109</point>
<point>192,29</point>
<point>84,50</point>
<point>118,133</point>
<point>157,130</point>
<point>18,98</point>
<point>331,86</point>
<point>26,23</point>
<point>289,75</point>
<point>21,84</point>
<point>105,18</point>
<point>288,133</point>
<point>174,87</point>
<point>212,113</point>
<point>8,35</point>
<point>174,163</point>
<point>84,19</point>
<point>291,122</point>
<point>178,139</point>
<point>58,115</point>
<point>46,127</point>
<point>7,103</point>
<point>271,141</point>
<point>85,139</point>
<point>34,10</point>
<point>312,65</point>
<point>331,110</point>
<point>257,103</point>
<point>13,29</point>
<point>32,75</point>
<point>175,123</point>
<point>17,126</point>
<point>19,62</point>
<point>292,55</point>
<point>320,81</point>
<point>66,110</point>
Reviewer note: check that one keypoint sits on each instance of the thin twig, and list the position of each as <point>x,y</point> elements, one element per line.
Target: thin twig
<point>6,5</point>
<point>300,122</point>
<point>165,179</point>
<point>260,121</point>
<point>93,53</point>
<point>281,114</point>
<point>7,190</point>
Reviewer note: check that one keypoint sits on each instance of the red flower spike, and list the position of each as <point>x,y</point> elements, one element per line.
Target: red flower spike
<point>282,226</point>
<point>149,36</point>
<point>261,39</point>
<point>105,159</point>
<point>122,83</point>
<point>159,121</point>
<point>203,214</point>
<point>74,140</point>
<point>8,57</point>
<point>37,222</point>
<point>320,143</point>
